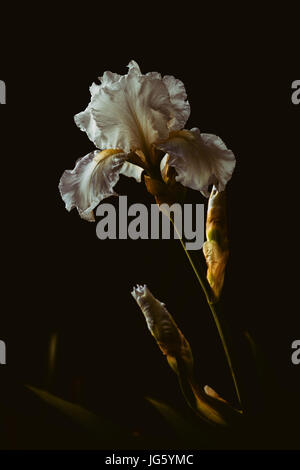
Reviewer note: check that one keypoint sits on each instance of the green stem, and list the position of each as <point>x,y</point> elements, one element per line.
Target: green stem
<point>212,306</point>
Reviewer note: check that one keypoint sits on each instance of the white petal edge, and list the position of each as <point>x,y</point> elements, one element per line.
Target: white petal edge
<point>93,180</point>
<point>179,101</point>
<point>133,111</point>
<point>200,160</point>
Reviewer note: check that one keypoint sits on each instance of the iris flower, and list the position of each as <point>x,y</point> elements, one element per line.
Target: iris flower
<point>136,123</point>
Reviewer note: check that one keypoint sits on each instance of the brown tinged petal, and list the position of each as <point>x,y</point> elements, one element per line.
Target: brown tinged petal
<point>216,260</point>
<point>215,409</point>
<point>215,249</point>
<point>216,222</point>
<point>213,394</point>
<point>165,193</point>
<point>162,184</point>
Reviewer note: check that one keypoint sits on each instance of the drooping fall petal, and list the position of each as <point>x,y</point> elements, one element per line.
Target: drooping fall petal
<point>93,179</point>
<point>200,160</point>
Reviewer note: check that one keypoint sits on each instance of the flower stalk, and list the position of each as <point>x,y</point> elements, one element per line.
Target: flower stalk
<point>136,123</point>
<point>211,300</point>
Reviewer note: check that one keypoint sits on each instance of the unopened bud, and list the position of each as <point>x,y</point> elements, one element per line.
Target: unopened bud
<point>164,329</point>
<point>215,249</point>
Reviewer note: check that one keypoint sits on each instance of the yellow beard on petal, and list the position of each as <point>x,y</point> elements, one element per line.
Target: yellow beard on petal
<point>106,153</point>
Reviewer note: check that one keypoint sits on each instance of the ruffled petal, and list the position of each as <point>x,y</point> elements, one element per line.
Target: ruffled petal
<point>86,123</point>
<point>133,111</point>
<point>178,97</point>
<point>134,68</point>
<point>108,78</point>
<point>200,160</point>
<point>93,179</point>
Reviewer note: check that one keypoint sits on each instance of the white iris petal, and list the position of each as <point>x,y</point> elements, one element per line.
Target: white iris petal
<point>179,101</point>
<point>134,110</point>
<point>93,180</point>
<point>132,171</point>
<point>199,159</point>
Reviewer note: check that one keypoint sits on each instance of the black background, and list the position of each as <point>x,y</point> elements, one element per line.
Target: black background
<point>59,277</point>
